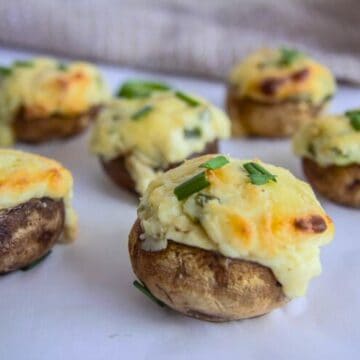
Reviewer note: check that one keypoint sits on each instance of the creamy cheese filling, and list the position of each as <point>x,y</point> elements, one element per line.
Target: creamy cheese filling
<point>24,176</point>
<point>280,224</point>
<point>167,134</point>
<point>44,87</point>
<point>263,77</point>
<point>329,140</point>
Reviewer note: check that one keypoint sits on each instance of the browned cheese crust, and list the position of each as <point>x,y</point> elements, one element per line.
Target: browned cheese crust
<point>204,284</point>
<point>28,231</point>
<point>338,183</point>
<point>254,118</point>
<point>119,174</point>
<point>35,130</point>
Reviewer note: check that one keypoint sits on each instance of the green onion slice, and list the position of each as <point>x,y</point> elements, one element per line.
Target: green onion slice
<point>141,287</point>
<point>192,133</point>
<point>258,175</point>
<point>23,63</point>
<point>136,89</point>
<point>215,163</point>
<point>36,262</point>
<point>288,56</point>
<point>5,71</point>
<point>142,112</point>
<point>354,117</point>
<point>62,66</point>
<point>187,99</point>
<point>191,186</point>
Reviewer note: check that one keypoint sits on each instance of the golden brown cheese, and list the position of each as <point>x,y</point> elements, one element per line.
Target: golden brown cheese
<point>261,77</point>
<point>24,176</point>
<point>170,132</point>
<point>329,140</point>
<point>44,87</point>
<point>280,224</point>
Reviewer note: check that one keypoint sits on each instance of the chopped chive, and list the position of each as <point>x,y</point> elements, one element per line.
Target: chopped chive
<point>257,174</point>
<point>36,262</point>
<point>215,163</point>
<point>192,133</point>
<point>136,89</point>
<point>202,199</point>
<point>288,56</point>
<point>187,99</point>
<point>191,186</point>
<point>5,71</point>
<point>141,287</point>
<point>23,63</point>
<point>142,112</point>
<point>354,117</point>
<point>62,66</point>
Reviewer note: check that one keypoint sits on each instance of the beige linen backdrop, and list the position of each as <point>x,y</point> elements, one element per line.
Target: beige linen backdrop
<point>194,37</point>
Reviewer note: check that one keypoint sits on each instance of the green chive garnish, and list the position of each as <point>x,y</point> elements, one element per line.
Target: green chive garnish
<point>23,63</point>
<point>191,186</point>
<point>5,71</point>
<point>140,286</point>
<point>137,89</point>
<point>62,66</point>
<point>36,262</point>
<point>142,112</point>
<point>187,99</point>
<point>288,56</point>
<point>257,174</point>
<point>215,163</point>
<point>192,133</point>
<point>354,117</point>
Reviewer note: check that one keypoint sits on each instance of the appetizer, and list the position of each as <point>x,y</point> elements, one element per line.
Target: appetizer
<point>272,92</point>
<point>223,239</point>
<point>151,128</point>
<point>43,99</point>
<point>330,151</point>
<point>35,208</point>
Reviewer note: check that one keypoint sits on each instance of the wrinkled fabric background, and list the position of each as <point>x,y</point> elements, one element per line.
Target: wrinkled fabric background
<point>203,38</point>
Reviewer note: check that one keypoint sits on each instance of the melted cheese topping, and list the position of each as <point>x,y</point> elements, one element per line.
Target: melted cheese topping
<point>249,76</point>
<point>24,176</point>
<point>159,138</point>
<point>44,88</point>
<point>269,224</point>
<point>329,140</point>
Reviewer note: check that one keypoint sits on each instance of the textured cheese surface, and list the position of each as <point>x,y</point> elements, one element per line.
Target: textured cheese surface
<point>159,138</point>
<point>248,76</point>
<point>24,176</point>
<point>329,140</point>
<point>44,88</point>
<point>240,220</point>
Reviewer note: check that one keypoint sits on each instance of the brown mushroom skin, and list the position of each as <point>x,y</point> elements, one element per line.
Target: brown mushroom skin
<point>28,231</point>
<point>340,184</point>
<point>117,171</point>
<point>36,130</point>
<point>254,118</point>
<point>204,284</point>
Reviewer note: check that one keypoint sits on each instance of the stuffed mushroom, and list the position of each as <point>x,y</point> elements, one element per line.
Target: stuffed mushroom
<point>330,152</point>
<point>151,128</point>
<point>43,99</point>
<point>274,91</point>
<point>35,208</point>
<point>222,239</point>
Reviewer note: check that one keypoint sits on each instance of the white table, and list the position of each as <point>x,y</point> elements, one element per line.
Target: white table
<point>80,302</point>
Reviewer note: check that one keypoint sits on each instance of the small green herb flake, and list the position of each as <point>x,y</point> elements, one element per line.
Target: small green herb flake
<point>192,133</point>
<point>191,186</point>
<point>142,112</point>
<point>137,89</point>
<point>141,287</point>
<point>257,174</point>
<point>354,117</point>
<point>23,63</point>
<point>288,56</point>
<point>36,262</point>
<point>5,71</point>
<point>215,163</point>
<point>187,99</point>
<point>62,67</point>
